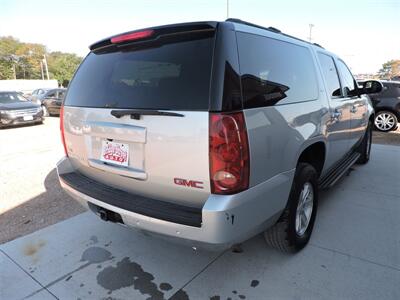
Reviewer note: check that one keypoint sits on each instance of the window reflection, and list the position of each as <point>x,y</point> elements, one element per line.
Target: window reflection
<point>258,92</point>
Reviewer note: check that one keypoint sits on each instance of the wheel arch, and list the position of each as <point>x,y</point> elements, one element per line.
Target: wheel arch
<point>314,152</point>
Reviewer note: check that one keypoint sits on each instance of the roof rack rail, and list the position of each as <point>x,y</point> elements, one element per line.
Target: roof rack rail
<point>234,20</point>
<point>272,29</point>
<point>318,45</point>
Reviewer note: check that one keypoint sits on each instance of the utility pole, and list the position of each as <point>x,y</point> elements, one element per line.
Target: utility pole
<point>13,59</point>
<point>310,37</point>
<point>41,69</point>
<point>15,73</point>
<point>46,67</point>
<point>227,9</point>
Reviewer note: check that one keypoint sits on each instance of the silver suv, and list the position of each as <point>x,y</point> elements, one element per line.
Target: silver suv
<point>212,132</point>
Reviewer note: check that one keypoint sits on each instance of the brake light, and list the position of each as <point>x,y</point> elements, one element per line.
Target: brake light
<point>132,36</point>
<point>62,129</point>
<point>229,153</point>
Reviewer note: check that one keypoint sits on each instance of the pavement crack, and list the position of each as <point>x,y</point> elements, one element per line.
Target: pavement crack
<point>65,276</point>
<point>198,273</point>
<point>359,189</point>
<point>356,257</point>
<point>30,275</point>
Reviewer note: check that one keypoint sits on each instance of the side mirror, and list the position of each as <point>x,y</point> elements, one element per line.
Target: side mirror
<point>371,87</point>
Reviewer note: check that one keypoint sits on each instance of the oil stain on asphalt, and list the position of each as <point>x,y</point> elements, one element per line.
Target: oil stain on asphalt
<point>128,273</point>
<point>32,248</point>
<point>125,273</point>
<point>253,284</point>
<point>96,255</point>
<point>165,286</point>
<point>92,255</point>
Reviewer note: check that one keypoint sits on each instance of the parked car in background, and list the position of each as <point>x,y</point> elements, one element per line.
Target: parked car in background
<point>216,149</point>
<point>49,99</point>
<point>387,106</point>
<point>36,94</point>
<point>16,109</point>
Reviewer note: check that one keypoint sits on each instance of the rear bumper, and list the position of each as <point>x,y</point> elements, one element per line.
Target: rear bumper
<point>225,219</point>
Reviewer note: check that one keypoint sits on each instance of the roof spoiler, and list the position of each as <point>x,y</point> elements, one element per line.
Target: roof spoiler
<point>153,33</point>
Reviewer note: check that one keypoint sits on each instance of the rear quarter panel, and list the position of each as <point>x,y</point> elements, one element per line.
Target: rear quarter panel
<point>279,134</point>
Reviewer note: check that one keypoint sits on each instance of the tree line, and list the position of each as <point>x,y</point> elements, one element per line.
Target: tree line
<point>390,70</point>
<point>20,60</point>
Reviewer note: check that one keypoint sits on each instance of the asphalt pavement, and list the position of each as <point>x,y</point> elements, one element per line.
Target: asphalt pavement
<point>354,253</point>
<point>30,194</point>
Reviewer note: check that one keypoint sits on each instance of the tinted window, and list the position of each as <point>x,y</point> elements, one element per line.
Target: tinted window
<point>51,94</point>
<point>274,71</point>
<point>10,98</point>
<point>61,94</point>
<point>390,90</point>
<point>348,83</point>
<point>330,74</point>
<point>396,89</point>
<point>173,76</point>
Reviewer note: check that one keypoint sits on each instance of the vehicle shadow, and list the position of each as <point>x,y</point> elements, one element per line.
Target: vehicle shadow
<point>48,208</point>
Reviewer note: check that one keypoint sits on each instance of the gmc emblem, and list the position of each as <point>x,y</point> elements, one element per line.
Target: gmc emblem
<point>189,183</point>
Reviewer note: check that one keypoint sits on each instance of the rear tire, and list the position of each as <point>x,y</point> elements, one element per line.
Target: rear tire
<point>288,234</point>
<point>385,121</point>
<point>365,147</point>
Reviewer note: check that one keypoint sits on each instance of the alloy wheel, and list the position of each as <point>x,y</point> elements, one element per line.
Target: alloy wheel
<point>304,208</point>
<point>384,121</point>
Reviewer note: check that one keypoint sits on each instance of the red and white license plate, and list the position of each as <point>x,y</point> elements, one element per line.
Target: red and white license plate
<point>115,153</point>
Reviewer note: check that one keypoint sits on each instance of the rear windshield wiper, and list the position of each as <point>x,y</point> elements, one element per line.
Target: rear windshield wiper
<point>136,113</point>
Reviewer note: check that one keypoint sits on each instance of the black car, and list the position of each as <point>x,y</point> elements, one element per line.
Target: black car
<point>50,99</point>
<point>15,109</point>
<point>387,106</point>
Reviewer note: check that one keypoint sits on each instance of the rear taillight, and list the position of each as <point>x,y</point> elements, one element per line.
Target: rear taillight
<point>229,153</point>
<point>62,129</point>
<point>132,36</point>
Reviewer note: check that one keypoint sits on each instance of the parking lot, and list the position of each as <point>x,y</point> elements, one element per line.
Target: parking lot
<point>354,251</point>
<point>31,196</point>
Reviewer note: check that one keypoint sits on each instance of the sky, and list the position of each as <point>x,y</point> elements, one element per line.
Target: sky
<point>364,33</point>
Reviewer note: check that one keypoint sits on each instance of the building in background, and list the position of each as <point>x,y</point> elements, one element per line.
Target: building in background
<point>365,76</point>
<point>26,86</point>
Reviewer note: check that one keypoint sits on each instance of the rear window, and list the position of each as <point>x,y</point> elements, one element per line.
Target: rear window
<point>172,77</point>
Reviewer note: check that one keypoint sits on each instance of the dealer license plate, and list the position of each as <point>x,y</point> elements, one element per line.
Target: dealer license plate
<point>115,153</point>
